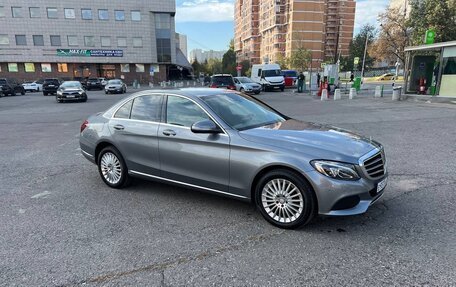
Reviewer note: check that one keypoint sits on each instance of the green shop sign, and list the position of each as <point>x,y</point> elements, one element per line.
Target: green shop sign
<point>89,53</point>
<point>429,37</point>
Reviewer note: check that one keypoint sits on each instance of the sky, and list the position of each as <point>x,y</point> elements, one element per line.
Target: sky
<point>208,24</point>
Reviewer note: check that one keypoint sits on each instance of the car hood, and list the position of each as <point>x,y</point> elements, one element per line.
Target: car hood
<point>313,140</point>
<point>114,86</point>
<point>70,89</point>
<point>276,79</point>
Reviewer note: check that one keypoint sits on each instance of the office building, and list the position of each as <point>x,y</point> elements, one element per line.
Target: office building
<point>266,30</point>
<point>77,39</point>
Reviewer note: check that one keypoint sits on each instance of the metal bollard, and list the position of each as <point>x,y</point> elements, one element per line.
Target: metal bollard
<point>324,95</point>
<point>337,95</point>
<point>397,94</point>
<point>352,93</point>
<point>378,92</point>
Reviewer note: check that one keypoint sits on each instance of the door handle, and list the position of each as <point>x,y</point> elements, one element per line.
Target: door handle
<point>119,127</point>
<point>169,133</point>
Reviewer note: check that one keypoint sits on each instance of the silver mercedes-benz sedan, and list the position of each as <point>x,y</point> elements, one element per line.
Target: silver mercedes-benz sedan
<point>234,145</point>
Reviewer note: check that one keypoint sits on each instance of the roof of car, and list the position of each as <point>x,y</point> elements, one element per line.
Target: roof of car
<point>189,92</point>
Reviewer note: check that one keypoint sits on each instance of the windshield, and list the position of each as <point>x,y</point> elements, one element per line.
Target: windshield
<point>242,112</point>
<point>272,73</point>
<point>290,74</point>
<point>71,85</point>
<point>114,82</point>
<point>222,80</point>
<point>2,81</point>
<point>245,80</point>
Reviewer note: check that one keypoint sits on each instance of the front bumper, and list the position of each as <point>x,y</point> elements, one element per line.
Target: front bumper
<point>344,197</point>
<point>114,90</point>
<point>76,97</point>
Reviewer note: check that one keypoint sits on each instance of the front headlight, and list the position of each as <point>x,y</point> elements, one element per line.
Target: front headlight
<point>81,92</point>
<point>59,92</point>
<point>337,170</point>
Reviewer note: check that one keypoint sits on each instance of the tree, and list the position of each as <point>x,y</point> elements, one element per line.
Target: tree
<point>357,46</point>
<point>438,15</point>
<point>214,66</point>
<point>229,60</point>
<point>300,59</point>
<point>346,64</point>
<point>245,67</point>
<point>283,61</point>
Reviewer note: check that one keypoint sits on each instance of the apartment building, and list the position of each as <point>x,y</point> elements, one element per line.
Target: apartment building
<point>268,29</point>
<point>70,39</point>
<point>202,55</point>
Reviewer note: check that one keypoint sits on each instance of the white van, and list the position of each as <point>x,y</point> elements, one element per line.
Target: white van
<point>269,76</point>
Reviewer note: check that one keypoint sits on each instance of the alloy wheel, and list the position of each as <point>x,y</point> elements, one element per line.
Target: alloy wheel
<point>111,168</point>
<point>282,200</point>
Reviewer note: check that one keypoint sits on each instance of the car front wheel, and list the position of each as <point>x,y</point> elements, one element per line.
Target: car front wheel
<point>112,168</point>
<point>285,199</point>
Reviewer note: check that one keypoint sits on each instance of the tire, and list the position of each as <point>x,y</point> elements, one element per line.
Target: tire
<point>84,100</point>
<point>23,92</point>
<point>45,94</point>
<point>110,158</point>
<point>57,100</point>
<point>277,208</point>
<point>242,90</point>
<point>106,92</point>
<point>256,93</point>
<point>282,88</point>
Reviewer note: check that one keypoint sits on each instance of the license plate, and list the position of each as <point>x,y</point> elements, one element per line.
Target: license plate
<point>70,96</point>
<point>51,86</point>
<point>382,184</point>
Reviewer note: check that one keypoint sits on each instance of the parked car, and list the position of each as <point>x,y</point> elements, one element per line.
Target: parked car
<point>50,86</point>
<point>223,81</point>
<point>386,77</point>
<point>103,81</point>
<point>35,86</point>
<point>269,76</point>
<point>10,87</point>
<point>246,85</point>
<point>71,91</point>
<point>115,86</point>
<point>234,145</point>
<point>290,77</point>
<point>94,84</point>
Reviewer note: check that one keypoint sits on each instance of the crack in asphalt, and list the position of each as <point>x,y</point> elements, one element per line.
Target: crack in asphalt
<point>162,266</point>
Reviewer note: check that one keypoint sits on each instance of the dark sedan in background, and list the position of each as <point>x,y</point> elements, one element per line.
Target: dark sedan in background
<point>10,87</point>
<point>234,145</point>
<point>71,91</point>
<point>94,84</point>
<point>50,86</point>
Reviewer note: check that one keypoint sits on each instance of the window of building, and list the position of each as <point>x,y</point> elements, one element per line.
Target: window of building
<point>17,12</point>
<point>103,14</point>
<point>162,21</point>
<point>163,35</point>
<point>52,13</point>
<point>62,67</point>
<point>4,40</point>
<point>69,13</point>
<point>21,40</point>
<point>38,40</point>
<point>146,108</point>
<point>120,15</point>
<point>125,68</point>
<point>164,50</point>
<point>2,11</point>
<point>55,40</point>
<point>135,15</point>
<point>137,42</point>
<point>72,40</point>
<point>29,67</point>
<point>89,41</point>
<point>35,12</point>
<point>12,67</point>
<point>46,68</point>
<point>124,111</point>
<point>121,41</point>
<point>139,68</point>
<point>183,112</point>
<point>86,14</point>
<point>105,41</point>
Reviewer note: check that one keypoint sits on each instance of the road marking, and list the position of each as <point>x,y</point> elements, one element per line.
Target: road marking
<point>43,194</point>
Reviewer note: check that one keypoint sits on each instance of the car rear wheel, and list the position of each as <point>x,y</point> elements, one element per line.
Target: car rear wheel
<point>285,200</point>
<point>112,168</point>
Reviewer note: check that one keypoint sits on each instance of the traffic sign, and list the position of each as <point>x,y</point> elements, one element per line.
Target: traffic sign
<point>356,61</point>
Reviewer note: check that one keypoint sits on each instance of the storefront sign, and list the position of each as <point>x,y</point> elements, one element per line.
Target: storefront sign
<point>89,53</point>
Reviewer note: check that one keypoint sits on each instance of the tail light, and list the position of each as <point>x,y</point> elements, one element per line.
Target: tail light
<point>213,86</point>
<point>84,125</point>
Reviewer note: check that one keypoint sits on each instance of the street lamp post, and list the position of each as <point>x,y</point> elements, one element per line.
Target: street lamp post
<point>364,58</point>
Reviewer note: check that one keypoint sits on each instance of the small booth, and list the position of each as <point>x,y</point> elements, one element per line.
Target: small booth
<point>431,69</point>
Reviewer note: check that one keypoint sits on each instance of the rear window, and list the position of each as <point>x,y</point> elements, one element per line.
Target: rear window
<point>2,81</point>
<point>223,80</point>
<point>290,73</point>
<point>51,81</point>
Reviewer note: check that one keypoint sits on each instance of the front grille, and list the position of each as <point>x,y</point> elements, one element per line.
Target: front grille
<point>375,165</point>
<point>70,93</point>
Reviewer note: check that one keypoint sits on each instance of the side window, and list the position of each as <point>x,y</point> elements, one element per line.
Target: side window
<point>183,112</point>
<point>146,108</point>
<point>259,72</point>
<point>124,111</point>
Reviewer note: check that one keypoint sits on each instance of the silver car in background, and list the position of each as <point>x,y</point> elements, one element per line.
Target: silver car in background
<point>115,86</point>
<point>234,145</point>
<point>246,85</point>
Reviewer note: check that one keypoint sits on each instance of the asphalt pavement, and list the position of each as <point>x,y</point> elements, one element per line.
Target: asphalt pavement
<point>60,225</point>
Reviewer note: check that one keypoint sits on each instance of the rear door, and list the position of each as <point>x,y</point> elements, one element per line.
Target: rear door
<point>134,129</point>
<point>186,157</point>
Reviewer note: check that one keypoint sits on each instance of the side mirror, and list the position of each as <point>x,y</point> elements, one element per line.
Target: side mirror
<point>205,127</point>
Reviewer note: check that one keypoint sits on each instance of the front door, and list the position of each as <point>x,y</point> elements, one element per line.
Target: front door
<point>186,157</point>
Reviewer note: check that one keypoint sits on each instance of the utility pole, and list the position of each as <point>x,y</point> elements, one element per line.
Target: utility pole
<point>364,58</point>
